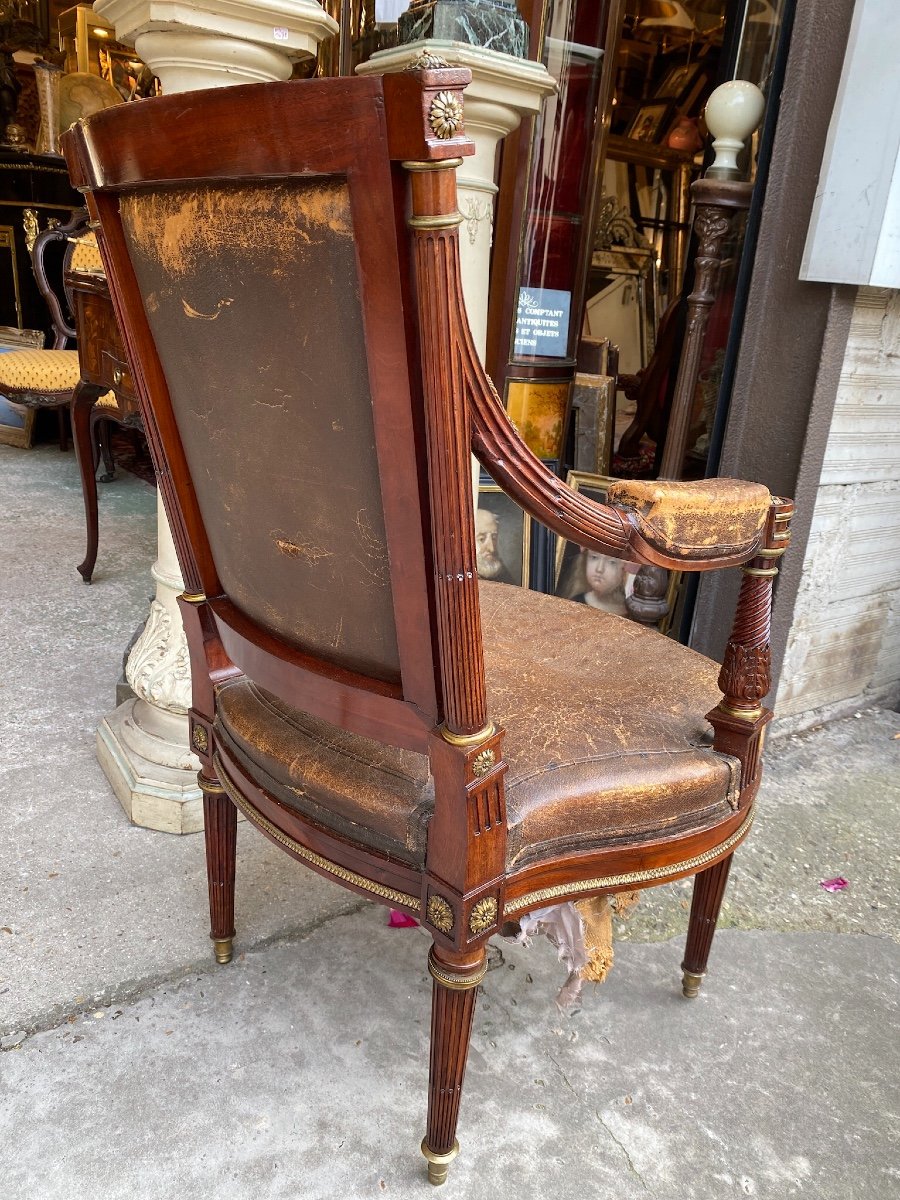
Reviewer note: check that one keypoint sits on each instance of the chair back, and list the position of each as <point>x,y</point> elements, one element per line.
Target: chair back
<point>51,257</point>
<point>260,283</point>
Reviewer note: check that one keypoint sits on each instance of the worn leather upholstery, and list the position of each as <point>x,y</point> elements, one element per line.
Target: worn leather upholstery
<point>279,438</point>
<point>604,725</point>
<point>371,793</point>
<point>710,518</point>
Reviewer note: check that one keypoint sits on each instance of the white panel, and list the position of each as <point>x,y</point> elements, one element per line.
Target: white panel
<point>854,233</point>
<point>846,630</point>
<point>864,440</point>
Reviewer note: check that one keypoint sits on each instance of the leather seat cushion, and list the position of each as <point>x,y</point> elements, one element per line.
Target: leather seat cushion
<point>605,724</point>
<point>373,794</point>
<point>46,372</point>
<point>702,519</point>
<point>604,728</point>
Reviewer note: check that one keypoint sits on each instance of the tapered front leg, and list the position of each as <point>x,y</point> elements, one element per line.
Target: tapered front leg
<point>220,821</point>
<point>709,888</point>
<point>456,978</point>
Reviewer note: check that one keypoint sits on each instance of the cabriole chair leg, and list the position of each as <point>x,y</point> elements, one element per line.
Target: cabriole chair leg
<point>456,979</point>
<point>220,822</point>
<point>709,888</point>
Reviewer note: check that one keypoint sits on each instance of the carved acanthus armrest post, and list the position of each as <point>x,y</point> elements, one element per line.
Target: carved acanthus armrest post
<point>739,719</point>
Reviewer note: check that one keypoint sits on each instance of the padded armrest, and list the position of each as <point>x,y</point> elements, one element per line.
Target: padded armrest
<point>712,518</point>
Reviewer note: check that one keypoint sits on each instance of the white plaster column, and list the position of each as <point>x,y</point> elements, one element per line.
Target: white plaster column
<point>143,746</point>
<point>502,91</point>
<point>194,44</point>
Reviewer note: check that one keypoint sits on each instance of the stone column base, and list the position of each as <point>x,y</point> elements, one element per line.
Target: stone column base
<point>158,792</point>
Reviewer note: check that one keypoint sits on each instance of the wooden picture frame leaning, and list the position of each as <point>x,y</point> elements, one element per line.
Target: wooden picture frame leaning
<point>629,589</point>
<point>16,425</point>
<point>649,120</point>
<point>17,422</point>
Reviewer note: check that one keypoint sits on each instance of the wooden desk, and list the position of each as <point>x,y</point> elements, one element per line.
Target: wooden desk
<point>104,369</point>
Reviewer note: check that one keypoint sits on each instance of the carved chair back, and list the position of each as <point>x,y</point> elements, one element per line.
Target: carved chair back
<point>261,286</point>
<point>50,266</point>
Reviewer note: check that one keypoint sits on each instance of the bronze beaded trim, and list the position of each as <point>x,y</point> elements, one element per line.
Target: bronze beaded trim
<point>310,856</point>
<point>456,983</point>
<point>542,895</point>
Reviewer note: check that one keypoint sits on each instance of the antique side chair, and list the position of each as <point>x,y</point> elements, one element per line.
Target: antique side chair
<point>51,377</point>
<point>289,294</point>
<point>47,378</point>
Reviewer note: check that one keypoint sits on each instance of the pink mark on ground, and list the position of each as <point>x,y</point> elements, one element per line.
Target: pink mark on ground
<point>400,920</point>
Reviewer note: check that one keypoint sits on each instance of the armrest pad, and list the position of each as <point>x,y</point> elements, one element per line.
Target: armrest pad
<point>708,519</point>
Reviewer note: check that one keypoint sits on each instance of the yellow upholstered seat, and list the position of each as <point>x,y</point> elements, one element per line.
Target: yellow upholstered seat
<point>39,372</point>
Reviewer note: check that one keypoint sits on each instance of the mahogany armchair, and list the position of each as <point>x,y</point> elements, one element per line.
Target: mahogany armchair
<point>289,294</point>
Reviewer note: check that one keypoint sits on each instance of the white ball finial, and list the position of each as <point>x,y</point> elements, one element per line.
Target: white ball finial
<point>733,111</point>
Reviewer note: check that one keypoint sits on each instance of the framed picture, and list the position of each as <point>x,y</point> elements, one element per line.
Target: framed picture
<point>502,536</point>
<point>629,589</point>
<point>88,42</point>
<point>128,75</point>
<point>16,424</point>
<point>648,121</point>
<point>676,82</point>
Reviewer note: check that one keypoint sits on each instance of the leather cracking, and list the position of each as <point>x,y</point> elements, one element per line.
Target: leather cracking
<point>252,293</point>
<point>373,794</point>
<point>604,721</point>
<point>704,519</point>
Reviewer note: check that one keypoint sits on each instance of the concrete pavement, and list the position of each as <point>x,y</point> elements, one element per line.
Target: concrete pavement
<point>133,1066</point>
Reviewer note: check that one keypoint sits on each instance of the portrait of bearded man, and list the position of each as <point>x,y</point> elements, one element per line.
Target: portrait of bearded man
<point>488,562</point>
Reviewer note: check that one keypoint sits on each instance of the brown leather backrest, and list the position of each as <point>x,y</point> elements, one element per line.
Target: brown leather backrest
<point>258,280</point>
<point>252,294</point>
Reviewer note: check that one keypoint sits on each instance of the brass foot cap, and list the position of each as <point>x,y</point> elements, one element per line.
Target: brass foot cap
<point>439,1164</point>
<point>224,949</point>
<point>690,983</point>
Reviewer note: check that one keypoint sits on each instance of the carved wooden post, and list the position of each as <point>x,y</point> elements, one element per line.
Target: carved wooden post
<point>733,111</point>
<point>649,599</point>
<point>739,721</point>
<point>456,979</point>
<point>717,202</point>
<point>462,905</point>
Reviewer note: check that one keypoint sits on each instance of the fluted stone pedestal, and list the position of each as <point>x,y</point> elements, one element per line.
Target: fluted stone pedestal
<point>143,746</point>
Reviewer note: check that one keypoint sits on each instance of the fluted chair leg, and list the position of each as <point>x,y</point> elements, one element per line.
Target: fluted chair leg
<point>220,822</point>
<point>456,980</point>
<point>709,888</point>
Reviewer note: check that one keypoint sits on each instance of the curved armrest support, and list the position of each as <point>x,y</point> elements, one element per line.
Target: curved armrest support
<point>500,449</point>
<point>681,526</point>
